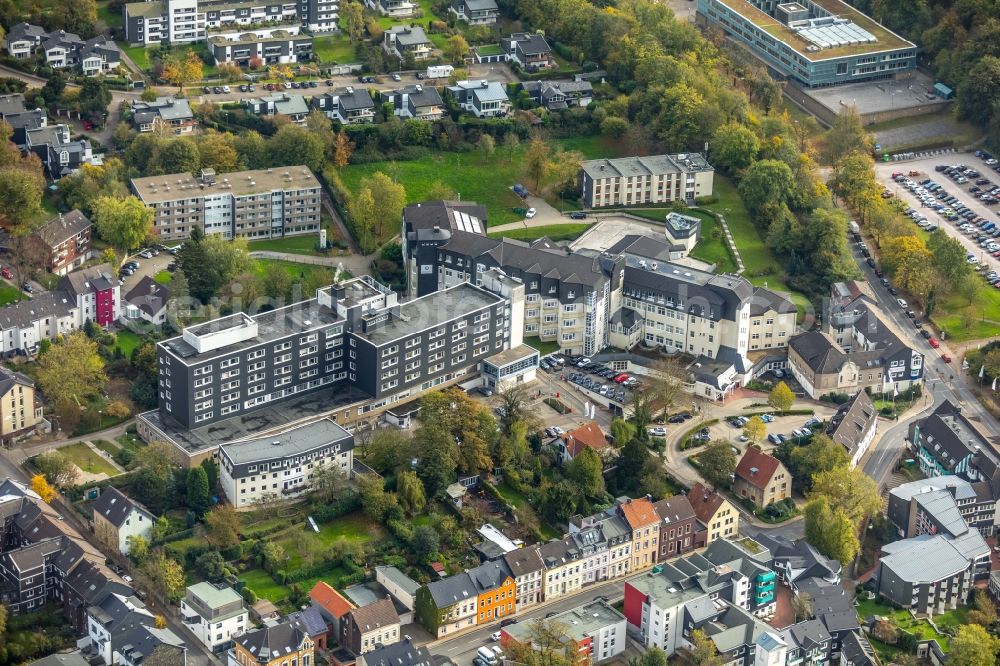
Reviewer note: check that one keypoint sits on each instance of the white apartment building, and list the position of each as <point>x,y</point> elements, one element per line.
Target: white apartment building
<point>215,614</point>
<point>657,179</point>
<point>282,465</point>
<point>563,568</point>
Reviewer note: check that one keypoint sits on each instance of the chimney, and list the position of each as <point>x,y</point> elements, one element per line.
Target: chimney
<point>61,219</point>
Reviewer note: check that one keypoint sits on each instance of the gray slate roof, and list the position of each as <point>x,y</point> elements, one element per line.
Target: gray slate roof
<point>452,590</point>
<point>24,313</point>
<point>63,227</point>
<point>403,653</point>
<point>852,421</point>
<point>9,379</point>
<point>276,640</point>
<point>148,295</point>
<point>116,506</point>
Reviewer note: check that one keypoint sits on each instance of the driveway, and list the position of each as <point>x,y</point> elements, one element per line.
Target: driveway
<point>545,215</point>
<point>147,268</point>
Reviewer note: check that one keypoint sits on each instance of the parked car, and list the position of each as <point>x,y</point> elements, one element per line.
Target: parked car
<point>934,343</point>
<point>6,273</point>
<point>946,358</point>
<point>27,287</point>
<point>495,636</point>
<point>508,621</point>
<point>531,213</point>
<point>658,431</point>
<point>578,215</point>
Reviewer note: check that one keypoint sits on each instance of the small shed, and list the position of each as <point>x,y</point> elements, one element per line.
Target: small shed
<point>456,492</point>
<point>943,91</point>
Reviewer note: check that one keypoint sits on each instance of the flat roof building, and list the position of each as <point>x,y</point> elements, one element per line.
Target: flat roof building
<point>630,181</point>
<point>814,42</point>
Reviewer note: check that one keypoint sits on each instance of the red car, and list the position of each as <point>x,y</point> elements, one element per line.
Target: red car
<point>946,358</point>
<point>621,378</point>
<point>7,273</point>
<point>934,343</point>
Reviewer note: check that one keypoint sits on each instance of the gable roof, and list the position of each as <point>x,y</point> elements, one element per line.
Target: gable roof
<point>523,561</point>
<point>452,590</point>
<point>674,509</point>
<point>115,506</point>
<point>149,296</point>
<point>638,512</point>
<point>853,421</point>
<point>63,227</point>
<point>90,279</point>
<point>490,575</point>
<point>271,642</point>
<point>705,503</point>
<point>376,615</point>
<point>756,467</point>
<point>311,619</point>
<point>9,379</point>
<point>589,435</point>
<point>403,653</point>
<point>330,600</point>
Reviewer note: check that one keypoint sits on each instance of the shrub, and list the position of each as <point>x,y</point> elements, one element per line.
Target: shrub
<point>556,405</point>
<point>835,398</point>
<point>706,200</point>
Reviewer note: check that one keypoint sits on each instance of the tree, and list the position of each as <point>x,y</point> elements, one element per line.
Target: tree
<point>293,145</point>
<point>846,135</point>
<point>831,530</point>
<point>276,283</point>
<point>972,645</point>
<point>487,146</point>
<point>198,498</point>
<point>272,555</point>
<point>389,198</point>
<point>909,261</point>
<point>622,431</point>
<point>455,49</point>
<point>387,450</point>
<point>766,182</point>
<point>733,147</point>
<point>536,162</point>
<point>20,194</point>
<point>511,142</point>
<point>222,526</point>
<point>72,370</point>
<point>361,208</point>
<point>652,656</point>
<point>949,257</point>
<point>211,565</point>
<point>343,147</point>
<point>587,471</point>
<point>166,575</point>
<point>717,462</point>
<point>802,604</point>
<point>559,501</point>
<point>180,156</point>
<point>374,499</point>
<point>43,488</point>
<point>425,543</point>
<point>352,20</point>
<point>984,613</point>
<point>851,490</point>
<point>57,468</point>
<point>755,429</point>
<point>123,223</point>
<point>513,400</point>
<point>821,454</point>
<point>410,490</point>
<point>628,470</point>
<point>138,548</point>
<point>181,71</point>
<point>781,397</point>
<point>702,651</point>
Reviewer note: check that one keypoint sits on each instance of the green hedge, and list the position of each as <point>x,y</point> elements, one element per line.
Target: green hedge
<point>556,405</point>
<point>687,442</point>
<point>791,412</point>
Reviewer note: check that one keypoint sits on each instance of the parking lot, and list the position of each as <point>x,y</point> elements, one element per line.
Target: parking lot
<point>962,218</point>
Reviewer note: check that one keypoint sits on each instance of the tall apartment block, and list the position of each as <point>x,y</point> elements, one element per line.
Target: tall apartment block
<point>351,350</point>
<point>266,203</point>
<point>187,21</point>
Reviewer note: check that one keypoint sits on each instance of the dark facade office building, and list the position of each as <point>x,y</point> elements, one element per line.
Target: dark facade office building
<point>353,337</point>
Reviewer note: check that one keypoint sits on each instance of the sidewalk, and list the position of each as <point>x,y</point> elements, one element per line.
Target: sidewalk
<point>20,454</point>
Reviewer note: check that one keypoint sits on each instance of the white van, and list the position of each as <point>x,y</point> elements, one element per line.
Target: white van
<point>487,655</point>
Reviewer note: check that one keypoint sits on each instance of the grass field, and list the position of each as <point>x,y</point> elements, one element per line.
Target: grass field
<point>489,50</point>
<point>163,277</point>
<point>426,6</point>
<point>761,265</point>
<point>264,586</point>
<point>961,320</point>
<point>334,49</point>
<point>106,16</point>
<point>922,629</point>
<point>593,147</point>
<point>84,457</point>
<point>555,232</point>
<point>544,348</point>
<point>296,270</point>
<point>127,341</point>
<point>487,183</point>
<point>9,293</point>
<point>292,244</point>
<point>106,446</point>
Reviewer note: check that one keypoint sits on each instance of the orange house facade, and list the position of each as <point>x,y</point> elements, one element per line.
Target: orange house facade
<point>497,591</point>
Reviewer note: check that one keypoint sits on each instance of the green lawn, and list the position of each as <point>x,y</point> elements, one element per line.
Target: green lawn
<point>519,501</point>
<point>264,586</point>
<point>593,146</point>
<point>761,264</point>
<point>426,6</point>
<point>544,347</point>
<point>163,277</point>
<point>922,629</point>
<point>9,293</point>
<point>296,270</point>
<point>293,244</point>
<point>106,446</point>
<point>961,320</point>
<point>106,16</point>
<point>555,232</point>
<point>138,54</point>
<point>487,183</point>
<point>84,457</point>
<point>127,341</point>
<point>334,49</point>
<point>489,50</point>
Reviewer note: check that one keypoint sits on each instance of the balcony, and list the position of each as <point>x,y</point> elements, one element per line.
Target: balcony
<point>761,598</point>
<point>766,578</point>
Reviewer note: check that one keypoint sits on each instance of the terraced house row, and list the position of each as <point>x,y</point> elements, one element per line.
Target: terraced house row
<point>632,536</point>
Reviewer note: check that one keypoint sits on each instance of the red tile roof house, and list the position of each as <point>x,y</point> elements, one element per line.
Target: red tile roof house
<point>588,435</point>
<point>332,605</point>
<point>761,478</point>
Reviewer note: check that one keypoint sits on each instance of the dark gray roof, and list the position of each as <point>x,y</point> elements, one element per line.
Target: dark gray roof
<point>25,31</point>
<point>311,619</point>
<point>674,509</point>
<point>166,108</point>
<point>810,633</point>
<point>524,561</point>
<point>417,96</point>
<point>490,575</point>
<point>644,246</point>
<point>116,506</point>
<point>712,296</point>
<point>452,590</point>
<point>148,295</point>
<point>381,613</point>
<point>445,215</point>
<point>855,650</point>
<point>407,35</point>
<point>90,279</point>
<point>852,421</point>
<point>142,641</point>
<point>276,640</point>
<point>949,436</point>
<point>479,5</point>
<point>403,653</point>
<point>767,299</point>
<point>803,558</point>
<point>24,313</point>
<point>9,379</point>
<point>530,44</point>
<point>66,659</point>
